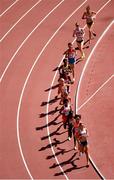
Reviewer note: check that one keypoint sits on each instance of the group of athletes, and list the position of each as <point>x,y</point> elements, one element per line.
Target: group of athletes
<point>72,121</point>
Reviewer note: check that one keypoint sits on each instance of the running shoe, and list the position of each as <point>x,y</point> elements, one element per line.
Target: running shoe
<point>83,56</point>
<point>69,138</point>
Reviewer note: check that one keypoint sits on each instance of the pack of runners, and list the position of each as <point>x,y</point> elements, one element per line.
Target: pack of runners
<point>72,122</point>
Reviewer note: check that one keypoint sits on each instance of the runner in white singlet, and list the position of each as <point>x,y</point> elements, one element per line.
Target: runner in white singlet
<point>79,34</point>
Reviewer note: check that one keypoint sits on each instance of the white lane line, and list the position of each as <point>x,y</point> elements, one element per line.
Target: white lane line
<point>48,131</point>
<point>4,36</point>
<point>18,112</point>
<point>21,45</point>
<point>47,109</point>
<point>97,13</point>
<point>79,84</point>
<point>8,8</point>
<point>22,92</point>
<point>95,92</point>
<point>103,6</point>
<point>4,72</point>
<point>87,62</point>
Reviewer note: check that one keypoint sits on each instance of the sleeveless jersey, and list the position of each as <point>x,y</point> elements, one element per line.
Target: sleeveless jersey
<point>71,53</point>
<point>89,18</point>
<point>79,34</point>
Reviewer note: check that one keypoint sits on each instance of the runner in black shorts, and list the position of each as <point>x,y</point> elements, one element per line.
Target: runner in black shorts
<point>89,16</point>
<point>83,141</point>
<point>79,34</point>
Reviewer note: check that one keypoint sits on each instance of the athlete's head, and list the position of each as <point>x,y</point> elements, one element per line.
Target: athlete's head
<point>77,24</point>
<point>65,61</point>
<point>81,125</point>
<point>70,45</point>
<point>88,8</point>
<point>77,117</point>
<point>61,81</point>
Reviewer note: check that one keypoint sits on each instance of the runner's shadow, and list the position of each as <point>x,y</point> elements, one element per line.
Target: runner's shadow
<point>85,47</point>
<point>49,146</point>
<point>61,151</point>
<point>49,124</point>
<point>78,60</point>
<point>49,113</point>
<point>57,68</point>
<point>44,103</point>
<point>55,143</point>
<point>69,161</point>
<point>74,167</point>
<point>53,87</point>
<point>86,41</point>
<point>53,133</point>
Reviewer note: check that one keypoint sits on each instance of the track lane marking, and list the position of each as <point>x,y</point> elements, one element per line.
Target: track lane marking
<point>22,92</point>
<point>18,119</point>
<point>5,35</point>
<point>18,137</point>
<point>109,79</point>
<point>49,100</point>
<point>21,45</point>
<point>79,84</point>
<point>8,8</point>
<point>103,6</point>
<point>4,72</point>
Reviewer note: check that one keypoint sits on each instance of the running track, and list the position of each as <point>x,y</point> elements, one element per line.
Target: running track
<point>33,144</point>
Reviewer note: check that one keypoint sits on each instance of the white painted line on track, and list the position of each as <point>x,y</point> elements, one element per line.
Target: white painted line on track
<point>22,92</point>
<point>48,131</point>
<point>103,6</point>
<point>95,92</point>
<point>4,72</point>
<point>20,101</point>
<point>21,45</point>
<point>8,8</point>
<point>87,62</point>
<point>47,109</point>
<point>5,35</point>
<point>79,85</point>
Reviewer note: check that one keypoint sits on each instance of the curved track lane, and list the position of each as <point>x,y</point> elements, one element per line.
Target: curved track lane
<point>98,103</point>
<point>6,6</point>
<point>20,19</point>
<point>14,110</point>
<point>28,27</point>
<point>31,107</point>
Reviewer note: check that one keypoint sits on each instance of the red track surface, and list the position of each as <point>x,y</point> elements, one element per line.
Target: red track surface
<point>5,4</point>
<point>45,152</point>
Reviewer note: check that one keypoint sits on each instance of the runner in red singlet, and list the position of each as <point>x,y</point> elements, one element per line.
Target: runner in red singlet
<point>77,119</point>
<point>70,53</point>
